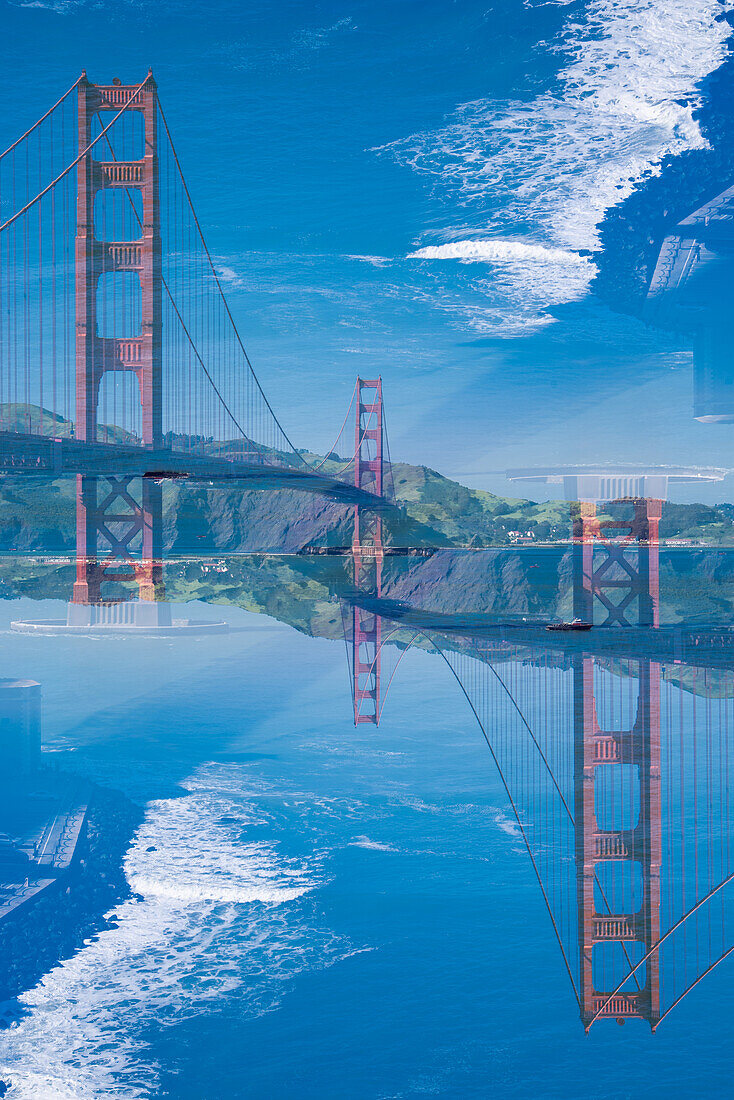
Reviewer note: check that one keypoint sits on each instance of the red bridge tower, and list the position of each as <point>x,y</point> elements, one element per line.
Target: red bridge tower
<point>367,552</point>
<point>617,772</point>
<point>119,532</point>
<point>618,811</point>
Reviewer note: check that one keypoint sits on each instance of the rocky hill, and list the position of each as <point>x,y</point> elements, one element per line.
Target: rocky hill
<point>39,514</point>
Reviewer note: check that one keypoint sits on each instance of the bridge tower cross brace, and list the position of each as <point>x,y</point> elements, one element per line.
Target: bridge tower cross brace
<point>119,533</point>
<point>616,554</point>
<point>367,552</point>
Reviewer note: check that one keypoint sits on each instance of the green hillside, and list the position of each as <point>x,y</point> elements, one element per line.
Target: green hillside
<point>433,510</point>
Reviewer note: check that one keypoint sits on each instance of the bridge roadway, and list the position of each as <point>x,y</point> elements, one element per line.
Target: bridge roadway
<point>701,647</point>
<point>42,455</point>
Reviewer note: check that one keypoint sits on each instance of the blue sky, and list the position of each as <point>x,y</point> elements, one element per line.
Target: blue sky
<point>326,144</point>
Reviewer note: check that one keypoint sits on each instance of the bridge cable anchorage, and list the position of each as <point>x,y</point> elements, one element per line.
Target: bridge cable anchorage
<point>76,161</point>
<point>219,285</point>
<point>43,118</point>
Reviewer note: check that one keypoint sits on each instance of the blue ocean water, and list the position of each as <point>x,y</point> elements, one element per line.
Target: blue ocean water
<point>413,189</point>
<point>316,910</point>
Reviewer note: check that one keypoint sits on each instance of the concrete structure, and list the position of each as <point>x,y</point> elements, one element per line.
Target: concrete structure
<point>606,482</point>
<point>20,727</point>
<point>138,617</point>
<point>690,291</point>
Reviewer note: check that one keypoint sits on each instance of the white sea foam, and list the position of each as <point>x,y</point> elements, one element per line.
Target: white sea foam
<point>526,280</point>
<point>151,887</point>
<point>212,913</point>
<point>507,825</point>
<point>372,845</point>
<point>497,252</point>
<point>552,166</point>
<point>375,261</point>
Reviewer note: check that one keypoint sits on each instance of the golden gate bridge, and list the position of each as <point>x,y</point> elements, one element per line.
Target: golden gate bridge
<point>120,359</point>
<point>121,363</point>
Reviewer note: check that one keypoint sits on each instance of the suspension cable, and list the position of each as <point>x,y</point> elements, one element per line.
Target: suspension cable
<point>516,814</point>
<point>167,289</point>
<point>432,642</point>
<point>505,784</point>
<point>219,286</point>
<point>353,457</point>
<point>43,117</point>
<point>338,435</point>
<point>74,163</point>
<point>656,946</point>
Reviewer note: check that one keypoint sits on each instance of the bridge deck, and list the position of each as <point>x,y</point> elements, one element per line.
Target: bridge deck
<point>36,455</point>
<point>697,646</point>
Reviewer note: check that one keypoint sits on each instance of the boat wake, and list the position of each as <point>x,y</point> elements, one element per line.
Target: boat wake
<point>211,913</point>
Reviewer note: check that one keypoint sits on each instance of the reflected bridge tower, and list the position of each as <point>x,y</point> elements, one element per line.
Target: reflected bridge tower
<point>617,811</point>
<point>618,848</point>
<point>618,816</point>
<point>617,743</point>
<point>616,562</point>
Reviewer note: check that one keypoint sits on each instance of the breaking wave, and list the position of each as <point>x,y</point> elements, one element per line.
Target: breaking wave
<point>625,97</point>
<point>371,845</point>
<point>496,251</point>
<point>211,913</point>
